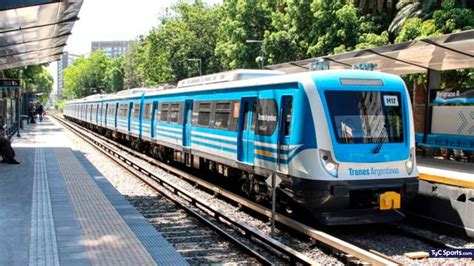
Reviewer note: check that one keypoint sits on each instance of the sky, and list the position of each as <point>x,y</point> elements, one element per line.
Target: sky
<point>110,20</point>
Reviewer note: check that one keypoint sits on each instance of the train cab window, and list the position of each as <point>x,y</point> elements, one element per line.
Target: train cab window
<point>174,112</point>
<point>164,112</point>
<point>147,111</point>
<point>136,110</point>
<point>266,116</point>
<point>204,114</point>
<point>222,115</point>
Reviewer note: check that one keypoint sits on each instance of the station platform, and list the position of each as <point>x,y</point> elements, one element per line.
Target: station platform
<point>445,199</point>
<point>447,172</point>
<point>57,209</point>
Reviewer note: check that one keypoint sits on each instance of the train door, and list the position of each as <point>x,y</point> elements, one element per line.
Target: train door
<point>284,129</point>
<point>187,118</point>
<point>153,118</point>
<point>106,115</point>
<point>247,130</point>
<point>129,116</point>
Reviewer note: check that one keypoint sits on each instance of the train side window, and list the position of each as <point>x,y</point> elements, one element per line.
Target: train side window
<point>111,111</point>
<point>204,114</point>
<point>222,115</point>
<point>174,112</point>
<point>234,117</point>
<point>136,110</point>
<point>287,116</point>
<point>254,117</point>
<point>147,114</point>
<point>123,110</point>
<point>266,117</point>
<point>164,112</point>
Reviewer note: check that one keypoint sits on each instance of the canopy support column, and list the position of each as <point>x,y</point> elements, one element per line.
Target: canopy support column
<point>434,82</point>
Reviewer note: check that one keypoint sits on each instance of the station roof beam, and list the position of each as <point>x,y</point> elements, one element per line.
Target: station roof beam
<point>446,52</point>
<point>35,31</point>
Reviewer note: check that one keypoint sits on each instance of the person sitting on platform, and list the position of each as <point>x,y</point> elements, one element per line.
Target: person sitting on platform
<point>6,150</point>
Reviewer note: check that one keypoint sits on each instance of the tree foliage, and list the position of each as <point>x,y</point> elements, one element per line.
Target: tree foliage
<point>34,78</point>
<point>94,74</point>
<point>281,30</point>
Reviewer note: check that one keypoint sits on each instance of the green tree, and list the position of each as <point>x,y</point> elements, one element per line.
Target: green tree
<point>243,20</point>
<point>408,9</point>
<point>162,56</point>
<point>114,75</point>
<point>34,78</point>
<point>134,69</point>
<point>335,28</point>
<point>292,24</point>
<point>87,76</point>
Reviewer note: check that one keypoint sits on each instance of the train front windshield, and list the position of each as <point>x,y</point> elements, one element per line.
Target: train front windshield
<point>366,116</point>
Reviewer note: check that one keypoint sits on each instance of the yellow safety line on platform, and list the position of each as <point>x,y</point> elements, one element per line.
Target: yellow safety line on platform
<point>447,180</point>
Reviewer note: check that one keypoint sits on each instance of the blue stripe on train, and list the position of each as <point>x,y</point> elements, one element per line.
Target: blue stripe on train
<point>258,147</point>
<point>213,146</point>
<point>214,139</point>
<point>168,136</point>
<point>270,159</point>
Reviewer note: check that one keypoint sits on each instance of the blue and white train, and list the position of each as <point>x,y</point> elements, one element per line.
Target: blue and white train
<point>342,142</point>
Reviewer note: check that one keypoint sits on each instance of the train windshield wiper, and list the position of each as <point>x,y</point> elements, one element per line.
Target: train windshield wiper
<point>381,138</point>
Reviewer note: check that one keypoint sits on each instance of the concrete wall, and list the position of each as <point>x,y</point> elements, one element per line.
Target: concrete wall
<point>457,120</point>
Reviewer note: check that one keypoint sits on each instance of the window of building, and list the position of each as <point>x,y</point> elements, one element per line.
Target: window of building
<point>222,115</point>
<point>136,110</point>
<point>267,117</point>
<point>164,112</point>
<point>174,112</point>
<point>147,114</point>
<point>204,114</point>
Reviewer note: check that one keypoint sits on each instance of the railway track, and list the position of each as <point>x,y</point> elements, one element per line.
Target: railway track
<point>349,253</point>
<point>197,209</point>
<point>197,243</point>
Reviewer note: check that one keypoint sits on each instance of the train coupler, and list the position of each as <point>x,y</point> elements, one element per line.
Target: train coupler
<point>389,200</point>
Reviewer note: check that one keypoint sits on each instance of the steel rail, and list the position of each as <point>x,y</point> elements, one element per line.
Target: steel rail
<point>294,257</point>
<point>368,256</point>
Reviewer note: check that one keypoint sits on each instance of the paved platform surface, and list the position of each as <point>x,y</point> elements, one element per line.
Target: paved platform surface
<point>57,209</point>
<point>447,172</point>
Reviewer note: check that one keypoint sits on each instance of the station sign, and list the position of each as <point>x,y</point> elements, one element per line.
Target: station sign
<point>454,96</point>
<point>9,83</point>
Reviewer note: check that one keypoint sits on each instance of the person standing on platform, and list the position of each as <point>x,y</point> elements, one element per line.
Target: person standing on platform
<point>40,111</point>
<point>31,112</point>
<point>6,149</point>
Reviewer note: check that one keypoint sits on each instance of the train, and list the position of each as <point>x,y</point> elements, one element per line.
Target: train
<point>340,141</point>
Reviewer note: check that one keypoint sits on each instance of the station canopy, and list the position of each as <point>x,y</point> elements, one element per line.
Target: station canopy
<point>35,31</point>
<point>447,52</point>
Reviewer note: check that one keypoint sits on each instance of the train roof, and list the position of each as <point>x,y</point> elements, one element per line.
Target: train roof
<point>227,76</point>
<point>262,81</point>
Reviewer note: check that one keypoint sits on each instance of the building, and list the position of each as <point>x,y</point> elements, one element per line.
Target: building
<point>112,49</point>
<point>66,60</point>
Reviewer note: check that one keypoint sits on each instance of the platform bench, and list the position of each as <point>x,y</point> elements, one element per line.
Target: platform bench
<point>446,141</point>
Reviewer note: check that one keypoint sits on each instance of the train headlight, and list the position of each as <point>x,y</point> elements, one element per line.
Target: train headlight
<point>410,163</point>
<point>328,163</point>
